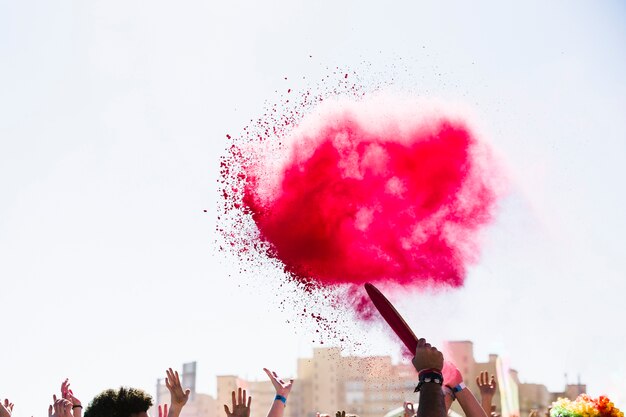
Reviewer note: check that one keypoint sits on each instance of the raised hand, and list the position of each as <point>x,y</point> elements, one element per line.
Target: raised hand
<point>68,394</point>
<point>163,410</point>
<point>178,397</point>
<point>427,357</point>
<point>282,388</point>
<point>340,414</point>
<point>409,409</point>
<point>487,389</point>
<point>241,405</point>
<point>60,407</point>
<point>486,386</point>
<point>6,408</point>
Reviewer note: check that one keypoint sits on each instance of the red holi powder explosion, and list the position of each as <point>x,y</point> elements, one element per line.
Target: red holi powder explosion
<point>363,207</point>
<point>388,192</point>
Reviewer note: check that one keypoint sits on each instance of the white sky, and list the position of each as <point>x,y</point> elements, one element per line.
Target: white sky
<point>114,114</point>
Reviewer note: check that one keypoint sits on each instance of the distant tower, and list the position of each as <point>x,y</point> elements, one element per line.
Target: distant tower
<point>189,378</point>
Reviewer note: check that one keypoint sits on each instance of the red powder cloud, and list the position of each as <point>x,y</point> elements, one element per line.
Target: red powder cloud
<point>365,198</point>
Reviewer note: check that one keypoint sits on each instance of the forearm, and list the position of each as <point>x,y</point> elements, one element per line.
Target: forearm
<point>448,400</point>
<point>431,402</point>
<point>174,410</point>
<point>470,404</point>
<point>486,401</point>
<point>277,409</point>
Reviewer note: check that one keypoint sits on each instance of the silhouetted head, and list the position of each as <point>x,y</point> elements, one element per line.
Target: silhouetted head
<point>123,402</point>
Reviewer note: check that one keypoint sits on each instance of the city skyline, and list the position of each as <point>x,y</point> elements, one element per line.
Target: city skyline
<point>368,386</point>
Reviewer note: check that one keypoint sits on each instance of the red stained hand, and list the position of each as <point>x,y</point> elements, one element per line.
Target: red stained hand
<point>451,374</point>
<point>68,394</point>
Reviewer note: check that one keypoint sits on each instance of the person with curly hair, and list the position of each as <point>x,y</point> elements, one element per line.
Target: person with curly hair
<point>122,402</point>
<point>134,402</point>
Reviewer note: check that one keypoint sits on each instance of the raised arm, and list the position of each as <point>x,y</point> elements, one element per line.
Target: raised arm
<point>241,404</point>
<point>428,362</point>
<point>454,381</point>
<point>60,407</point>
<point>68,394</point>
<point>6,408</point>
<point>178,397</point>
<point>283,388</point>
<point>487,389</point>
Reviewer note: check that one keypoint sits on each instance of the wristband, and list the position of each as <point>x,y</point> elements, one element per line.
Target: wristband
<point>77,406</point>
<point>281,398</point>
<point>429,376</point>
<point>459,387</point>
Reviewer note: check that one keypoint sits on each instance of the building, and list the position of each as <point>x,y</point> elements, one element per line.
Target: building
<point>529,395</point>
<point>328,381</point>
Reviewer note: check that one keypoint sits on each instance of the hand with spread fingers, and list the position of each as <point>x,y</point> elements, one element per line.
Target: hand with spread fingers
<point>68,394</point>
<point>6,408</point>
<point>487,387</point>
<point>178,397</point>
<point>282,388</point>
<point>241,404</point>
<point>162,410</point>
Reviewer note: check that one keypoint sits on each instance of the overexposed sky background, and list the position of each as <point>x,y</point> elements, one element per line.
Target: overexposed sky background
<point>113,117</point>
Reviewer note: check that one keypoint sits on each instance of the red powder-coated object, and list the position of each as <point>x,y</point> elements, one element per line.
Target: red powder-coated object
<point>392,317</point>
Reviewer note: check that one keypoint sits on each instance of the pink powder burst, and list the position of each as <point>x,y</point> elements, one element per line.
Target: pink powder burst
<point>363,194</point>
